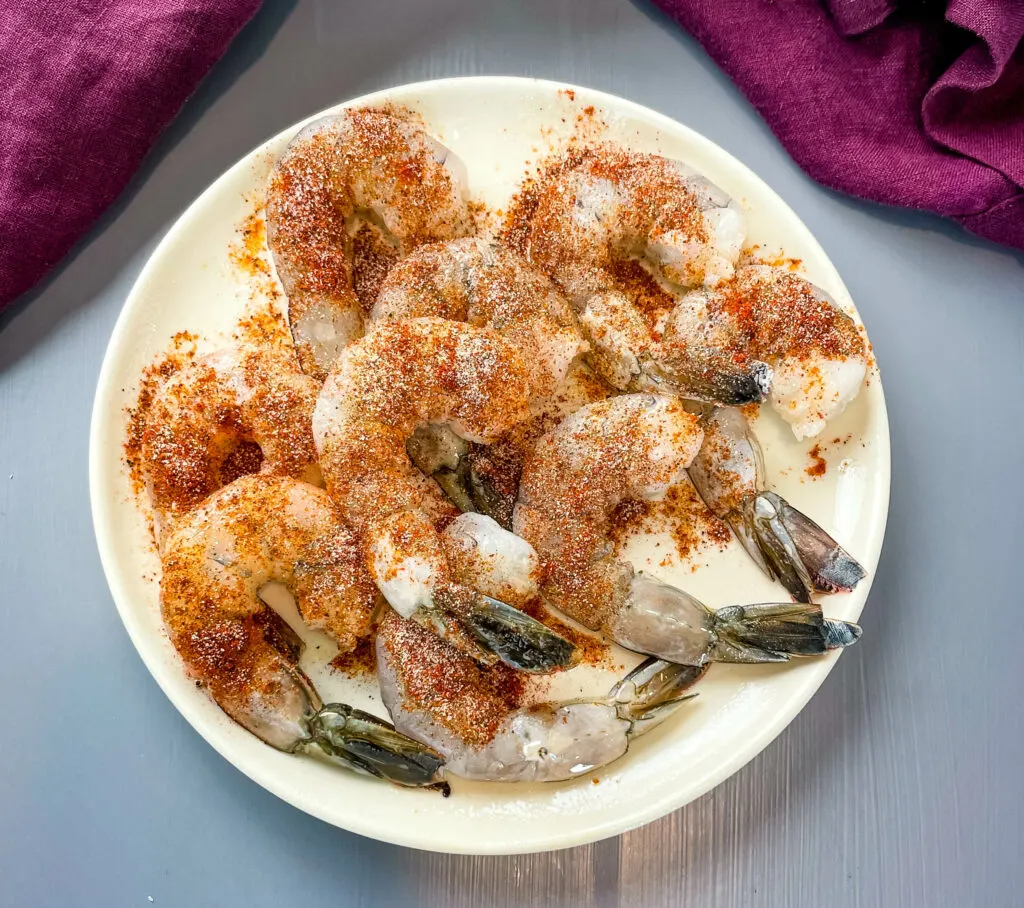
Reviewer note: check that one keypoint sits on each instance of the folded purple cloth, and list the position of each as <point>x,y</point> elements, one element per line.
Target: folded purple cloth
<point>918,104</point>
<point>86,86</point>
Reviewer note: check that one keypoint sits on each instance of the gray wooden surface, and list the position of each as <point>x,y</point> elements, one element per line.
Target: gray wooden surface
<point>899,785</point>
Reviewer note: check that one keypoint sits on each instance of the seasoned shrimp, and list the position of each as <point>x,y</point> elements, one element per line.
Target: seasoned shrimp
<point>605,206</point>
<point>475,281</point>
<point>225,414</point>
<point>400,376</point>
<point>472,719</point>
<point>256,530</point>
<point>637,446</point>
<point>728,471</point>
<point>371,165</point>
<point>817,356</point>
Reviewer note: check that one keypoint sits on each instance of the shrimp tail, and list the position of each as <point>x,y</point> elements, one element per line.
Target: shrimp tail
<point>773,632</point>
<point>454,483</point>
<point>493,494</point>
<point>793,549</point>
<point>652,691</point>
<point>464,473</point>
<point>473,486</point>
<point>724,383</point>
<point>517,639</point>
<point>357,740</point>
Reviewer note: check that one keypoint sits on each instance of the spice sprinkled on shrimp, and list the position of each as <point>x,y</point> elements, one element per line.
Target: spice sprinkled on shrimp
<point>471,715</point>
<point>400,376</point>
<point>637,446</point>
<point>230,412</point>
<point>363,166</point>
<point>475,281</point>
<point>817,355</point>
<point>257,530</point>
<point>601,209</point>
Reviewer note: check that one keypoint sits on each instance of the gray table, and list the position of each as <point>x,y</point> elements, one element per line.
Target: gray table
<point>899,785</point>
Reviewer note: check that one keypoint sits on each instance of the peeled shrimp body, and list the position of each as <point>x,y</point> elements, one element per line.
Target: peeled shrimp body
<point>728,471</point>
<point>256,530</point>
<point>606,206</point>
<point>363,165</point>
<point>467,718</point>
<point>205,419</point>
<point>817,356</point>
<point>400,376</point>
<point>473,280</point>
<point>637,446</point>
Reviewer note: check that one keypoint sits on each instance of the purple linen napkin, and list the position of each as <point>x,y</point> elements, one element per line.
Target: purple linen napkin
<point>86,86</point>
<point>918,104</point>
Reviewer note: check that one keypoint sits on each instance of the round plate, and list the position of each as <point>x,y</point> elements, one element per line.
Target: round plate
<point>498,126</point>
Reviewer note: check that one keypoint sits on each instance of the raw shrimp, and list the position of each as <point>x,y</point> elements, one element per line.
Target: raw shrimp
<point>225,414</point>
<point>470,715</point>
<point>364,165</point>
<point>816,353</point>
<point>476,281</point>
<point>728,471</point>
<point>637,446</point>
<point>256,530</point>
<point>605,206</point>
<point>400,376</point>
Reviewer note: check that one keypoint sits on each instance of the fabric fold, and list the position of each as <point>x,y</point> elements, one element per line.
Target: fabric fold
<point>86,87</point>
<point>913,104</point>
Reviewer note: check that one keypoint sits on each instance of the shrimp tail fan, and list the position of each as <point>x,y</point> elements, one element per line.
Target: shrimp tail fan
<point>357,740</point>
<point>726,383</point>
<point>793,549</point>
<point>774,632</point>
<point>517,639</point>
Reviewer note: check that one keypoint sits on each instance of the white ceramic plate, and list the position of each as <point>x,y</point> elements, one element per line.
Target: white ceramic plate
<point>498,126</point>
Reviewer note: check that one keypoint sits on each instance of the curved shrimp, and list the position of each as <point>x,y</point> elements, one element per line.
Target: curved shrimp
<point>400,376</point>
<point>375,164</point>
<point>788,546</point>
<point>817,355</point>
<point>637,446</point>
<point>476,281</point>
<point>601,208</point>
<point>204,420</point>
<point>256,530</point>
<point>472,720</point>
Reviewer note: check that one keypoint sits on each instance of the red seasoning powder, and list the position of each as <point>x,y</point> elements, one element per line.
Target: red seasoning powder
<point>469,700</point>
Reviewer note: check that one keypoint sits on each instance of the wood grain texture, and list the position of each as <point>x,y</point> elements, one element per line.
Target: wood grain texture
<point>899,785</point>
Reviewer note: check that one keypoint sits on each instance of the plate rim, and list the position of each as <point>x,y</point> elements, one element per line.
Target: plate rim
<point>354,822</point>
